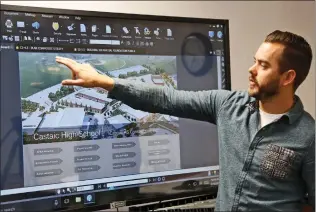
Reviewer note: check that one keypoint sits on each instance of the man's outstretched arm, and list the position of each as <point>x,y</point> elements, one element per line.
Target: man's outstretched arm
<point>199,105</point>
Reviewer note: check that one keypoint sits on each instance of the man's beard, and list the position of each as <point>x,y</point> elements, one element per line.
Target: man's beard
<point>264,92</point>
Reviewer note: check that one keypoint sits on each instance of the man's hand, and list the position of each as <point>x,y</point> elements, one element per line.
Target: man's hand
<point>85,75</point>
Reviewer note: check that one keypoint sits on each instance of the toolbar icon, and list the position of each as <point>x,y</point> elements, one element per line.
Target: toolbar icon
<point>78,199</point>
<point>20,24</point>
<point>8,23</point>
<point>27,38</point>
<point>219,34</point>
<point>169,32</point>
<point>83,28</point>
<point>71,27</point>
<point>55,26</point>
<point>108,29</point>
<point>147,31</point>
<point>125,30</point>
<point>56,204</point>
<point>94,28</point>
<point>89,198</point>
<point>66,201</point>
<point>211,34</point>
<point>36,25</point>
<point>156,32</point>
<point>137,31</point>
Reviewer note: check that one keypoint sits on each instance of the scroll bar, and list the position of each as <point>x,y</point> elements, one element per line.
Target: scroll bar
<point>105,42</point>
<point>219,72</point>
<point>126,183</point>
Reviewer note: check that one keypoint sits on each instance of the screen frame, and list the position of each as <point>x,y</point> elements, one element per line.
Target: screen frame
<point>129,16</point>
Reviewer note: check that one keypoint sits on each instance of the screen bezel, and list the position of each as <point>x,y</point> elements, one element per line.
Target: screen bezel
<point>129,16</point>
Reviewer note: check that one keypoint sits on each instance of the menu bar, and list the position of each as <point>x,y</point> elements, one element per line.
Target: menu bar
<point>33,28</point>
<point>46,28</point>
<point>36,15</point>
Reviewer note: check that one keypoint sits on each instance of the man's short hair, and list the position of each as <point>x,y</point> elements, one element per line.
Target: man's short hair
<point>297,54</point>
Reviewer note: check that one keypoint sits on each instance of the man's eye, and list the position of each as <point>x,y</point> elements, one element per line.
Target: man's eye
<point>263,65</point>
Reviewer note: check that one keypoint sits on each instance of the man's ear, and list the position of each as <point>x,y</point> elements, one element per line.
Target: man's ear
<point>288,77</point>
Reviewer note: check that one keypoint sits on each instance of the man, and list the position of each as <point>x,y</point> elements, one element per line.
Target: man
<point>266,139</point>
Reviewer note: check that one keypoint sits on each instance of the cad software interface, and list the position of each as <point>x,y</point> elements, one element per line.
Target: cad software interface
<point>53,134</point>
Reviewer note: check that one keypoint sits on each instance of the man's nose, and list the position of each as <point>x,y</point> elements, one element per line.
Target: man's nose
<point>252,70</point>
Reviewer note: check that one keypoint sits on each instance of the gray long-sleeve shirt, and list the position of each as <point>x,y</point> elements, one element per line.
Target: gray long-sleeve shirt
<point>267,169</point>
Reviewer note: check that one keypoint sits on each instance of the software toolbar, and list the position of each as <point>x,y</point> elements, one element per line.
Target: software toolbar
<point>31,28</point>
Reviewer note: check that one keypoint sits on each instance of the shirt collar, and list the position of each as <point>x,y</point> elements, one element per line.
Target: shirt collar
<point>292,115</point>
<point>296,111</point>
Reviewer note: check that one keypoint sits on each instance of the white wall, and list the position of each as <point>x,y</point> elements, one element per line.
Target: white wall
<point>250,21</point>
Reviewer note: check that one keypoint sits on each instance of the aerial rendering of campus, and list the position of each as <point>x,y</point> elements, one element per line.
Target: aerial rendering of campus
<point>55,113</point>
